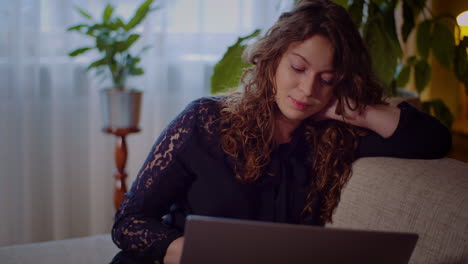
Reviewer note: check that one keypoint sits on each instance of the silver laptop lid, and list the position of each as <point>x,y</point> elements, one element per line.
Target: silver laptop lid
<point>228,241</point>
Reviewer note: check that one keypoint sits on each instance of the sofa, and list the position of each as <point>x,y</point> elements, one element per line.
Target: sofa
<point>428,197</point>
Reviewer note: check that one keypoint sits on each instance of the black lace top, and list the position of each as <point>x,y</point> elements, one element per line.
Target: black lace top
<point>186,172</point>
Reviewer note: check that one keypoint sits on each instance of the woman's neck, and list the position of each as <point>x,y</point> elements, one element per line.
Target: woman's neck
<point>284,129</point>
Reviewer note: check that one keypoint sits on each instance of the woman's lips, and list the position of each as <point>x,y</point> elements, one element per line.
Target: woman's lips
<point>299,105</point>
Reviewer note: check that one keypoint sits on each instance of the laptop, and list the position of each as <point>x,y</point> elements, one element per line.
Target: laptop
<point>228,241</point>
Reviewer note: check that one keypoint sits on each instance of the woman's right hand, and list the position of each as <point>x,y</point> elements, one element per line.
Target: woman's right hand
<point>174,251</point>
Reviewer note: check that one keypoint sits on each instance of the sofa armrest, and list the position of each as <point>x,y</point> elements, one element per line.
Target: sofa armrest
<point>428,197</point>
<point>85,250</point>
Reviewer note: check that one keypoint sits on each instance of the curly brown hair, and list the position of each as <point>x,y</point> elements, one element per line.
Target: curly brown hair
<point>247,117</point>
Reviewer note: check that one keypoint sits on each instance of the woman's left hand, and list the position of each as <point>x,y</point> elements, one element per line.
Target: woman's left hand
<point>382,119</point>
<point>329,112</point>
<point>174,251</point>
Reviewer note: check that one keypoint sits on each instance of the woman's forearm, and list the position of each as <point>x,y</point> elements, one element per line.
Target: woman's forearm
<point>382,119</point>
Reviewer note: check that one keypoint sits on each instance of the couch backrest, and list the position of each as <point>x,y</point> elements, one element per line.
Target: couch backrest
<point>428,197</point>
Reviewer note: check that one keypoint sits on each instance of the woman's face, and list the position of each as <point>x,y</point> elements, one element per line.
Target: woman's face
<point>304,78</point>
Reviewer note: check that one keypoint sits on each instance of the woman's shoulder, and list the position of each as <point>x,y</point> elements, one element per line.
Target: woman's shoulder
<point>207,112</point>
<point>207,105</point>
<point>198,118</point>
<point>200,110</point>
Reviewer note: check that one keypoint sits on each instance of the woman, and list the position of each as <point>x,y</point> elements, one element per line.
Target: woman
<point>282,149</point>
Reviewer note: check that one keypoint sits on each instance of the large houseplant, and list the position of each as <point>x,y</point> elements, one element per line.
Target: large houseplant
<point>436,35</point>
<point>375,20</point>
<point>113,39</point>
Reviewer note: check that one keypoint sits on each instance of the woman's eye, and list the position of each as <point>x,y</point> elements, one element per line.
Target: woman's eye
<point>297,69</point>
<point>327,82</point>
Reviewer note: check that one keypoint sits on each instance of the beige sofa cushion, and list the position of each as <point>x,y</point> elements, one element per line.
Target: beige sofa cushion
<point>429,197</point>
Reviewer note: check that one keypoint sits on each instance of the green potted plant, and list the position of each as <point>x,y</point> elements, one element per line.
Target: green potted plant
<point>375,20</point>
<point>436,35</point>
<point>113,39</point>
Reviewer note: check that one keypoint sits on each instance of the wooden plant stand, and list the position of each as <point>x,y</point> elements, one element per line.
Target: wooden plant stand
<point>120,156</point>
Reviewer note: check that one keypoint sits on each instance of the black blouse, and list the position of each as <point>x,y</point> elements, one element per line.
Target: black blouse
<point>186,172</point>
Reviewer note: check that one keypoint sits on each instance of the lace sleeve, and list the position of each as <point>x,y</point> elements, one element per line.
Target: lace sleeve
<point>162,180</point>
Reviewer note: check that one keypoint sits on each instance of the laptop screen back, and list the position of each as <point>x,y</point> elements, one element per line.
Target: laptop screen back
<point>229,241</point>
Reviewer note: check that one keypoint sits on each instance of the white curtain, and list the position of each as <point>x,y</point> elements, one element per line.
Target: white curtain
<point>56,166</point>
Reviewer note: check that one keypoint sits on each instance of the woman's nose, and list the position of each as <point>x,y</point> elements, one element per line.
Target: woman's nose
<point>309,85</point>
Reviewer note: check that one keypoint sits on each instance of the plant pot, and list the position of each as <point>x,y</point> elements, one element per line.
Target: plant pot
<point>120,108</point>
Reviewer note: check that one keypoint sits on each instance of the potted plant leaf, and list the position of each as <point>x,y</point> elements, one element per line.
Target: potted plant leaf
<point>113,39</point>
